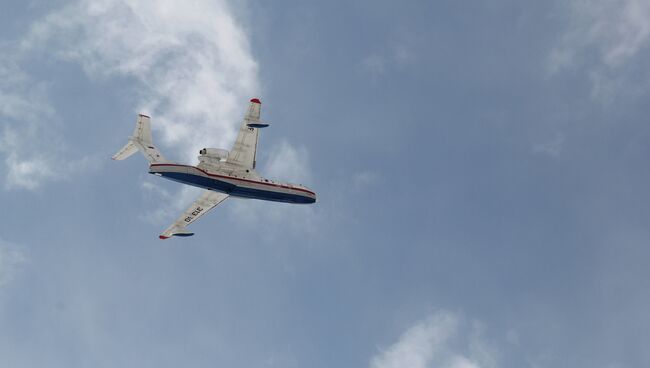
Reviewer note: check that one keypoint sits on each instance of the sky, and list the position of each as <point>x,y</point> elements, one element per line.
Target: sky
<point>481,171</point>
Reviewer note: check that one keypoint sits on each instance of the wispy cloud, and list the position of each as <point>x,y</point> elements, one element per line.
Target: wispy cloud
<point>398,53</point>
<point>24,111</point>
<point>552,147</point>
<point>21,97</point>
<point>433,342</point>
<point>606,39</point>
<point>166,206</point>
<point>30,161</point>
<point>363,179</point>
<point>191,62</point>
<point>288,163</point>
<point>11,257</point>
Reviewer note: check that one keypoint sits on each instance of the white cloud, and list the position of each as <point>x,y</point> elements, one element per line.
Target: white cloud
<point>27,173</point>
<point>394,58</point>
<point>21,98</point>
<point>153,190</point>
<point>24,110</point>
<point>433,342</point>
<point>288,163</point>
<point>460,362</point>
<point>418,346</point>
<point>617,30</point>
<point>29,162</point>
<point>398,53</point>
<point>605,38</point>
<point>191,61</point>
<point>166,207</point>
<point>191,64</point>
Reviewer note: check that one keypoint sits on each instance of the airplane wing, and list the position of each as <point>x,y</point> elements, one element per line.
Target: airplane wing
<point>207,201</point>
<point>244,150</point>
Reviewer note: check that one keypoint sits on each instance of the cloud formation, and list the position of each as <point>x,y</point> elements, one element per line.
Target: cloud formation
<point>192,64</point>
<point>166,206</point>
<point>552,147</point>
<point>432,342</point>
<point>606,39</point>
<point>24,109</point>
<point>398,53</point>
<point>287,162</point>
<point>191,68</point>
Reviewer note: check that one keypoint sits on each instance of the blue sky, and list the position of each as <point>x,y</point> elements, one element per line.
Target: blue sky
<point>481,171</point>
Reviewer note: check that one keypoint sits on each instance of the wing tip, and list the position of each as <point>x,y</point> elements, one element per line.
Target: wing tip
<point>256,100</point>
<point>183,235</point>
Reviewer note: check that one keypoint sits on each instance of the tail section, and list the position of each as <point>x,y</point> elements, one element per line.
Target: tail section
<point>141,141</point>
<point>126,151</point>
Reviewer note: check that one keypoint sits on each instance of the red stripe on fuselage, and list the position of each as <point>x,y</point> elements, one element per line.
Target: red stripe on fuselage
<point>240,179</point>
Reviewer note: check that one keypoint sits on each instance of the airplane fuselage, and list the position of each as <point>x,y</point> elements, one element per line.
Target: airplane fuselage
<point>234,185</point>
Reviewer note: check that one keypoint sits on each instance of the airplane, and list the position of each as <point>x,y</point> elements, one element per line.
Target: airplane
<point>220,172</point>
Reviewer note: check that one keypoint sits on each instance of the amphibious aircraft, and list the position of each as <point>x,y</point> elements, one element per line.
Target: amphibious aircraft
<point>220,172</point>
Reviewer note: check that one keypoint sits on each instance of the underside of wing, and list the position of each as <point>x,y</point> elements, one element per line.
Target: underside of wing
<point>207,201</point>
<point>245,148</point>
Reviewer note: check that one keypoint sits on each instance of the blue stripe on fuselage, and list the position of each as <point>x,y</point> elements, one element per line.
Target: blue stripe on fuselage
<point>234,190</point>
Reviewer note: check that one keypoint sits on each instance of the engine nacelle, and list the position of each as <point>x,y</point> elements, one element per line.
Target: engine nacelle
<point>215,153</point>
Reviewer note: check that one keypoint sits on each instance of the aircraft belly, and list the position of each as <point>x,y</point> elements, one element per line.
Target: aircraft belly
<point>269,195</point>
<point>236,190</point>
<point>199,181</point>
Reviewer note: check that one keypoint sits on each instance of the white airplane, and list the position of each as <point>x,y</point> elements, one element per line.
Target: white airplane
<point>221,173</point>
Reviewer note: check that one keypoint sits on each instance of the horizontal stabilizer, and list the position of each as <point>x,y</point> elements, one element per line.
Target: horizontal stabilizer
<point>126,151</point>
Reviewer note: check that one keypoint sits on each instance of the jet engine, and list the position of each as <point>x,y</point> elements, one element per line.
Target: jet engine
<point>216,153</point>
<point>213,156</point>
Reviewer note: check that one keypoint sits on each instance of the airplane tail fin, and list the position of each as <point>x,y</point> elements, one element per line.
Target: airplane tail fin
<point>141,141</point>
